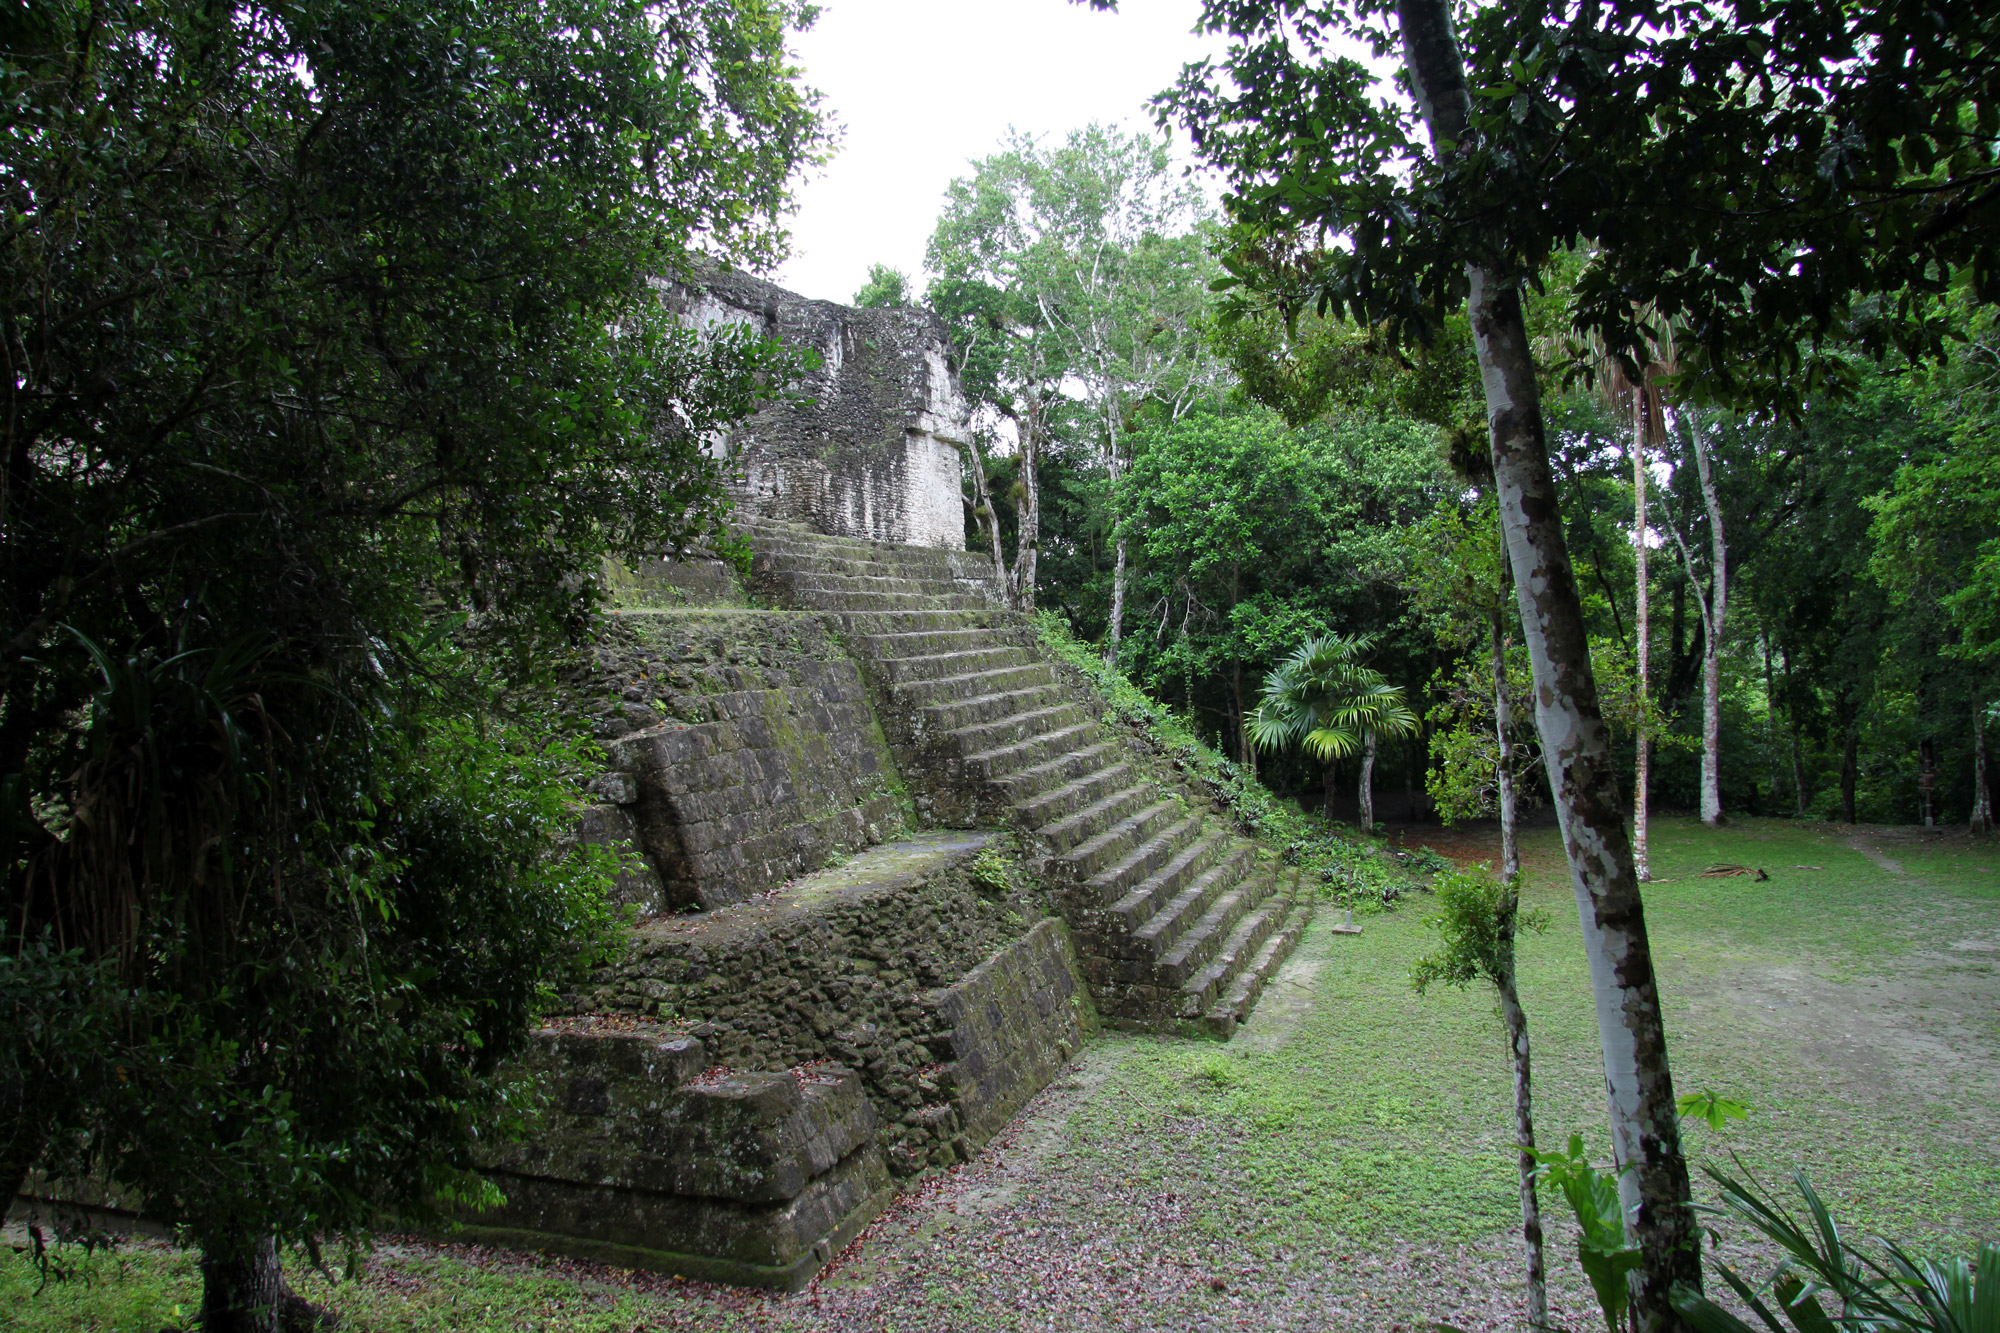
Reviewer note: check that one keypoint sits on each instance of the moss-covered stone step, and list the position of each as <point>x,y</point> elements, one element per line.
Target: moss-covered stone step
<point>1180,902</point>
<point>1223,1018</point>
<point>1079,793</point>
<point>1086,859</point>
<point>1235,952</point>
<point>951,664</point>
<point>926,690</point>
<point>1022,786</point>
<point>1110,810</point>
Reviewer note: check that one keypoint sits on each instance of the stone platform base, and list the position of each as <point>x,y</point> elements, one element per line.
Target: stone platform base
<point>736,1098</point>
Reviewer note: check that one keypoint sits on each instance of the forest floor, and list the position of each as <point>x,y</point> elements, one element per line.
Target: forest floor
<point>1344,1163</point>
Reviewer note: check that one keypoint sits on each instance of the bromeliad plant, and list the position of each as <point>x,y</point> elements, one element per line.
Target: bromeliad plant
<point>1890,1292</point>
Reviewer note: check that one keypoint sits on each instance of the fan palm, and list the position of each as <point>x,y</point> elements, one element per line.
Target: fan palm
<point>1323,700</point>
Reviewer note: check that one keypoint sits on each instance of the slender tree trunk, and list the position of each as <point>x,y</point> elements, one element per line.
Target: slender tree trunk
<point>1524,1138</point>
<point>1982,798</point>
<point>1367,791</point>
<point>1926,783</point>
<point>1798,774</point>
<point>1503,776</point>
<point>987,516</point>
<point>1771,720</point>
<point>1716,613</point>
<point>1117,606</point>
<point>1850,772</point>
<point>1642,778</point>
<point>1028,526</point>
<point>1645,1129</point>
<point>1332,788</point>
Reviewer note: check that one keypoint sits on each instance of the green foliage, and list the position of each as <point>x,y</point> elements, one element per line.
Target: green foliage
<point>1893,1292</point>
<point>1714,1111</point>
<point>1477,921</point>
<point>334,373</point>
<point>886,289</point>
<point>1323,700</point>
<point>1602,1246</point>
<point>1688,199</point>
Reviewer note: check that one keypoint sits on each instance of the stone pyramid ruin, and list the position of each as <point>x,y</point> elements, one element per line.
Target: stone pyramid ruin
<point>893,863</point>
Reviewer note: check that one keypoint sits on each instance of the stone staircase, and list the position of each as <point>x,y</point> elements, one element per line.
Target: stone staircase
<point>1179,922</point>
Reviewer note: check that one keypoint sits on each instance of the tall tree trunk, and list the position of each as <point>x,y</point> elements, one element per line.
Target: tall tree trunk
<point>1332,788</point>
<point>987,516</point>
<point>1798,773</point>
<point>1117,606</point>
<point>1715,612</point>
<point>1850,771</point>
<point>1645,1129</point>
<point>1028,525</point>
<point>1771,719</point>
<point>1642,778</point>
<point>1503,776</point>
<point>1367,789</point>
<point>1524,1139</point>
<point>1982,797</point>
<point>242,1289</point>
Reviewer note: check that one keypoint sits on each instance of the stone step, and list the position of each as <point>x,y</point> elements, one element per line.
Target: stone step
<point>964,662</point>
<point>1020,754</point>
<point>927,561</point>
<point>973,684</point>
<point>978,741</point>
<point>1107,811</point>
<point>928,645</point>
<point>1182,885</point>
<point>905,622</point>
<point>817,597</point>
<point>1115,881</point>
<point>953,715</point>
<point>817,564</point>
<point>1186,930</point>
<point>1222,1018</point>
<point>1087,858</point>
<point>1230,956</point>
<point>1061,802</point>
<point>1024,785</point>
<point>892,580</point>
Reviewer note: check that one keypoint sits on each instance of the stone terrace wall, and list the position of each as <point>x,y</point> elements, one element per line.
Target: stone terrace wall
<point>868,445</point>
<point>733,1098</point>
<point>742,752</point>
<point>931,971</point>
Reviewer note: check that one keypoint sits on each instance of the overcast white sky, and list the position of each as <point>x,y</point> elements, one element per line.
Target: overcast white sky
<point>924,86</point>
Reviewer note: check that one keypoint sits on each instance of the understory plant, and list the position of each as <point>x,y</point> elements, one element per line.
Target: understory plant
<point>1886,1291</point>
<point>1477,920</point>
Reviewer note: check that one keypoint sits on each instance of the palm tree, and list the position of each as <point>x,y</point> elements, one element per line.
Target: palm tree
<point>1325,701</point>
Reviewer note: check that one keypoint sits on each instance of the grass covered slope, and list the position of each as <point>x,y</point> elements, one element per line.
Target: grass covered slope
<point>1343,1163</point>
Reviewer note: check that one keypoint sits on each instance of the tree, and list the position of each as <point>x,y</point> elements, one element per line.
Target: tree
<point>1714,604</point>
<point>1477,922</point>
<point>1313,156</point>
<point>1458,572</point>
<point>1322,700</point>
<point>332,374</point>
<point>886,289</point>
<point>1252,536</point>
<point>1079,265</point>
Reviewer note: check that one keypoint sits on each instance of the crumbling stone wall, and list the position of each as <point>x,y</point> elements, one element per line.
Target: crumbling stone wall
<point>913,969</point>
<point>733,1098</point>
<point>742,751</point>
<point>868,444</point>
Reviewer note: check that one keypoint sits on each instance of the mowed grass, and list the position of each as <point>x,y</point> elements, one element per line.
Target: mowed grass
<point>1853,1004</point>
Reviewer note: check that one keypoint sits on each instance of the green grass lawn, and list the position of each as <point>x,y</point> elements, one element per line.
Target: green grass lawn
<point>1345,1162</point>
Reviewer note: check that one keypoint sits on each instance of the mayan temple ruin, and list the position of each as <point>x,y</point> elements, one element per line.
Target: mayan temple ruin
<point>892,864</point>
